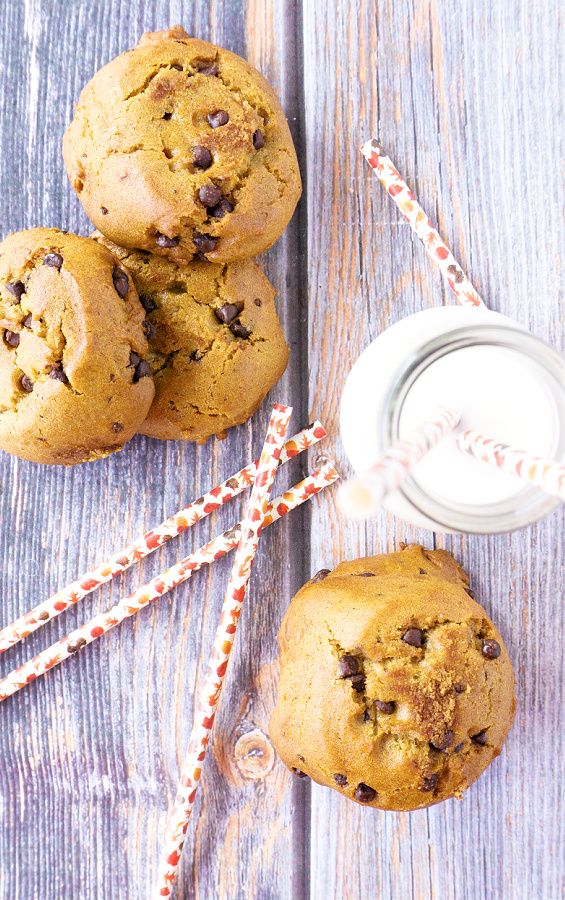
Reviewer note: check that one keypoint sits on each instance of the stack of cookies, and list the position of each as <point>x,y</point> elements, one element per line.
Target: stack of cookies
<point>162,323</point>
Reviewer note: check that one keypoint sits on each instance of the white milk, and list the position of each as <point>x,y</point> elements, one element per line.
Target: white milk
<point>503,391</point>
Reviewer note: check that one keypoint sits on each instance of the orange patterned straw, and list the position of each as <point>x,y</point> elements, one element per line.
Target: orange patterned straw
<point>145,545</point>
<point>546,474</point>
<point>223,642</point>
<point>361,497</point>
<point>392,181</point>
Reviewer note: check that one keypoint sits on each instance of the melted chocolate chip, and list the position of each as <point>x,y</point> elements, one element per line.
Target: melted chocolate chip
<point>480,738</point>
<point>221,209</point>
<point>429,783</point>
<point>27,321</point>
<point>134,358</point>
<point>196,356</point>
<point>227,313</point>
<point>121,282</point>
<point>148,304</point>
<point>340,779</point>
<point>385,706</point>
<point>490,649</point>
<point>258,140</point>
<point>257,302</point>
<point>413,637</point>
<point>445,742</point>
<point>239,330</point>
<point>319,576</point>
<point>58,375</point>
<point>298,773</point>
<point>149,329</point>
<point>117,427</point>
<point>202,158</point>
<point>26,384</point>
<point>204,242</point>
<point>103,210</point>
<point>348,665</point>
<point>209,195</point>
<point>17,288</point>
<point>12,338</point>
<point>364,793</point>
<point>366,575</point>
<point>55,260</point>
<point>220,117</point>
<point>162,240</point>
<point>209,70</point>
<point>142,370</point>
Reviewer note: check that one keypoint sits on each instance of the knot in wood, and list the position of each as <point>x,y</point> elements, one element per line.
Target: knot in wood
<point>254,754</point>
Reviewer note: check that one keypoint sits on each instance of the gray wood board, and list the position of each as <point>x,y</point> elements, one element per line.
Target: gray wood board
<point>468,98</point>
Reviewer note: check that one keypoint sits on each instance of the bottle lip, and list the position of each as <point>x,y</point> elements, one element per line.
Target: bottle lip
<point>524,507</point>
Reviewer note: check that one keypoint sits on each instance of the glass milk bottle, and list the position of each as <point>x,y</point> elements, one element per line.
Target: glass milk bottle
<point>504,382</point>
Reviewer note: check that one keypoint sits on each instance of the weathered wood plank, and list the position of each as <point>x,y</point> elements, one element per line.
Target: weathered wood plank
<point>466,98</point>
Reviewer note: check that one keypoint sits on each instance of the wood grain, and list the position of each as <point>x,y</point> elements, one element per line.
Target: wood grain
<point>468,99</point>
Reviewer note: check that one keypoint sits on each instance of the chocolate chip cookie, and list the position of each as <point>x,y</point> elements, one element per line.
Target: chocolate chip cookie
<point>396,688</point>
<point>215,343</point>
<point>182,148</point>
<point>74,381</point>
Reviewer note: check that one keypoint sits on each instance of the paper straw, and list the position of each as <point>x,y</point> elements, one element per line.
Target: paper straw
<point>145,545</point>
<point>217,665</point>
<point>158,586</point>
<point>545,474</point>
<point>361,497</point>
<point>391,179</point>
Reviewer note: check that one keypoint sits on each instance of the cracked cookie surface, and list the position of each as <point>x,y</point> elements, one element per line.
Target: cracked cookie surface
<point>181,148</point>
<point>74,385</point>
<point>396,688</point>
<point>215,342</point>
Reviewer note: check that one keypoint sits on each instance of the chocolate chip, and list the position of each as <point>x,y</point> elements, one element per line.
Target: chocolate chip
<point>364,793</point>
<point>73,647</point>
<point>196,356</point>
<point>413,637</point>
<point>167,116</point>
<point>117,427</point>
<point>257,302</point>
<point>202,157</point>
<point>239,330</point>
<point>209,70</point>
<point>366,716</point>
<point>445,742</point>
<point>58,375</point>
<point>340,779</point>
<point>319,576</point>
<point>12,338</point>
<point>142,370</point>
<point>385,706</point>
<point>423,572</point>
<point>55,260</point>
<point>201,256</point>
<point>27,321</point>
<point>149,329</point>
<point>162,240</point>
<point>176,66</point>
<point>134,358</point>
<point>221,209</point>
<point>459,688</point>
<point>298,773</point>
<point>209,195</point>
<point>103,210</point>
<point>227,313</point>
<point>490,649</point>
<point>366,575</point>
<point>258,140</point>
<point>470,592</point>
<point>458,748</point>
<point>480,738</point>
<point>16,288</point>
<point>300,757</point>
<point>348,665</point>
<point>204,242</point>
<point>220,117</point>
<point>121,282</point>
<point>26,384</point>
<point>429,784</point>
<point>148,304</point>
<point>358,683</point>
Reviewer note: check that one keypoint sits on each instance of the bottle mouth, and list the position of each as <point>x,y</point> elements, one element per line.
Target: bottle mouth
<point>527,505</point>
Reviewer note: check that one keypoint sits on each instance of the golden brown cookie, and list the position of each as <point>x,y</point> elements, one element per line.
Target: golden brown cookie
<point>396,688</point>
<point>182,148</point>
<point>74,384</point>
<point>215,343</point>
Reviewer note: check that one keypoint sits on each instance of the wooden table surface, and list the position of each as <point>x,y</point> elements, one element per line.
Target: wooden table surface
<point>467,96</point>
